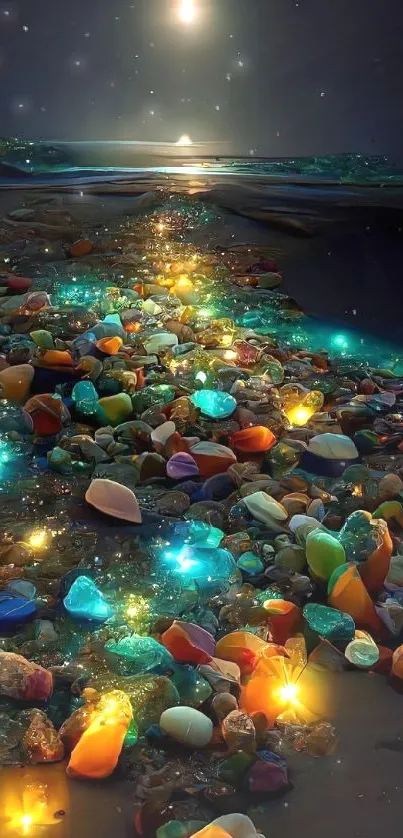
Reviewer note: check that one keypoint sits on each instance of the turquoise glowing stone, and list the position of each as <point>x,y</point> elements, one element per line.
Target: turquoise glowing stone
<point>203,535</point>
<point>85,602</point>
<point>85,397</point>
<point>136,655</point>
<point>208,567</point>
<point>214,403</point>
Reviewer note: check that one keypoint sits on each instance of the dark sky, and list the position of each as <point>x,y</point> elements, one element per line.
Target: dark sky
<point>277,76</point>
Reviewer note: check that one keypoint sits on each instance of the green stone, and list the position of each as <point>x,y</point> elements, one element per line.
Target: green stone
<point>324,553</point>
<point>233,769</point>
<point>132,735</point>
<point>135,655</point>
<point>43,339</point>
<point>155,394</point>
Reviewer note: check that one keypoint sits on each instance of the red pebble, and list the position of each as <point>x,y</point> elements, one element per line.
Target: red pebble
<point>19,283</point>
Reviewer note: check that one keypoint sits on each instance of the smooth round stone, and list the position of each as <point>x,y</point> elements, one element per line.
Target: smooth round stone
<point>182,466</point>
<point>218,487</point>
<point>160,343</point>
<point>329,623</point>
<point>43,339</point>
<point>303,520</point>
<point>163,433</point>
<point>324,554</point>
<point>250,563</point>
<point>15,609</point>
<point>291,557</point>
<point>173,503</point>
<point>113,499</point>
<point>214,403</point>
<point>237,826</point>
<point>362,653</point>
<point>256,439</point>
<point>212,458</point>
<point>113,410</point>
<point>187,726</point>
<point>15,382</point>
<point>264,508</point>
<point>85,397</point>
<point>390,486</point>
<point>333,447</point>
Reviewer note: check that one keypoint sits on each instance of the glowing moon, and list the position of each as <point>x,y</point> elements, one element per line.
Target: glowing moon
<point>187,11</point>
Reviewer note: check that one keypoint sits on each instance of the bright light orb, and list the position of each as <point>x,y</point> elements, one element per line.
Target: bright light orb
<point>289,693</point>
<point>187,11</point>
<point>184,140</point>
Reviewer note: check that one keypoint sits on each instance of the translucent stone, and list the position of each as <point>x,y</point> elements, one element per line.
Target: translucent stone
<point>214,403</point>
<point>206,567</point>
<point>193,689</point>
<point>324,553</point>
<point>85,602</point>
<point>333,625</point>
<point>135,655</point>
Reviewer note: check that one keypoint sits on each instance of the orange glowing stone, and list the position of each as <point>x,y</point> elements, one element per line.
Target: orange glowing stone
<point>110,346</point>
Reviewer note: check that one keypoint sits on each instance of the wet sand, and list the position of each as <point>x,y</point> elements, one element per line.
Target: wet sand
<point>356,792</point>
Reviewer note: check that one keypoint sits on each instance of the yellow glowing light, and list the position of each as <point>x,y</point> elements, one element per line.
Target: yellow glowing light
<point>230,355</point>
<point>357,491</point>
<point>38,539</point>
<point>289,693</point>
<point>26,822</point>
<point>187,11</point>
<point>299,415</point>
<point>184,140</point>
<point>160,227</point>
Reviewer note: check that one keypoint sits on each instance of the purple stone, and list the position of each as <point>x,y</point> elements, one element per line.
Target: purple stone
<point>182,466</point>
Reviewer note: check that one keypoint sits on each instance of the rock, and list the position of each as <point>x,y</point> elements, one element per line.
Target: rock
<point>182,466</point>
<point>193,689</point>
<point>15,382</point>
<point>41,742</point>
<point>23,680</point>
<point>214,403</point>
<point>330,624</point>
<point>268,774</point>
<point>173,503</point>
<point>212,458</point>
<point>239,732</point>
<point>265,509</point>
<point>250,563</point>
<point>137,655</point>
<point>256,439</point>
<point>85,602</point>
<point>114,409</point>
<point>187,726</point>
<point>389,487</point>
<point>224,703</point>
<point>114,499</point>
<point>324,553</point>
<point>188,643</point>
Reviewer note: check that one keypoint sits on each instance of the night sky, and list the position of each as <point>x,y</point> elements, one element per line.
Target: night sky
<point>274,76</point>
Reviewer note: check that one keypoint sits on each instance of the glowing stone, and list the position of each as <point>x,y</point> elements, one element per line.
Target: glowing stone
<point>85,602</point>
<point>214,403</point>
<point>98,750</point>
<point>135,655</point>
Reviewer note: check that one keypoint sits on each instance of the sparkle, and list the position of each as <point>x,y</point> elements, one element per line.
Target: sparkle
<point>289,693</point>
